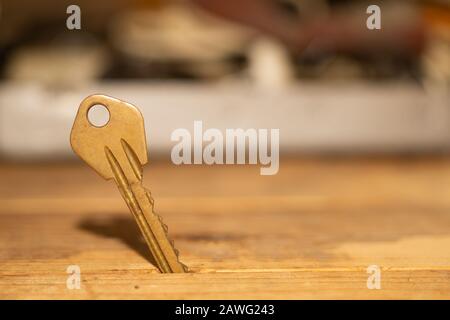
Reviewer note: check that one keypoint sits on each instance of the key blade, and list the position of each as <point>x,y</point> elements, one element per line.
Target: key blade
<point>123,135</point>
<point>140,203</point>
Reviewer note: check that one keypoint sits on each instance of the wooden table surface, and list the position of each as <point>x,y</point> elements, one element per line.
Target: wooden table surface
<point>309,232</point>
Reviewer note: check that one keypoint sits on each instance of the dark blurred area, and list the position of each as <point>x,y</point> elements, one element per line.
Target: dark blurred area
<point>314,62</point>
<point>212,39</point>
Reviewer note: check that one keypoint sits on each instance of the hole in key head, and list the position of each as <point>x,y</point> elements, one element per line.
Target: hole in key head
<point>98,115</point>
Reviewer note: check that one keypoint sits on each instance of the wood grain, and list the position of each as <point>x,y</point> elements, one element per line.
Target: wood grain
<point>309,232</point>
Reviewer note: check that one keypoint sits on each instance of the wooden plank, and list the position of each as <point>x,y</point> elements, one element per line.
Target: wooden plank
<point>309,232</point>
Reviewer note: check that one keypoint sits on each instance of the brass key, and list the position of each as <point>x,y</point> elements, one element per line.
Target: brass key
<point>118,151</point>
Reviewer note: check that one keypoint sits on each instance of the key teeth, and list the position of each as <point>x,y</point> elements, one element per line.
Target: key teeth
<point>177,253</point>
<point>185,267</point>
<point>150,198</point>
<point>152,203</point>
<point>166,230</point>
<point>165,227</point>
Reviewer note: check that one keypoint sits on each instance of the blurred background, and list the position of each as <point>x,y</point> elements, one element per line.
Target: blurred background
<point>311,68</point>
<point>364,119</point>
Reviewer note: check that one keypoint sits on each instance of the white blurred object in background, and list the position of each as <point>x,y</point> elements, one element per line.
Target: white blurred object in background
<point>270,65</point>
